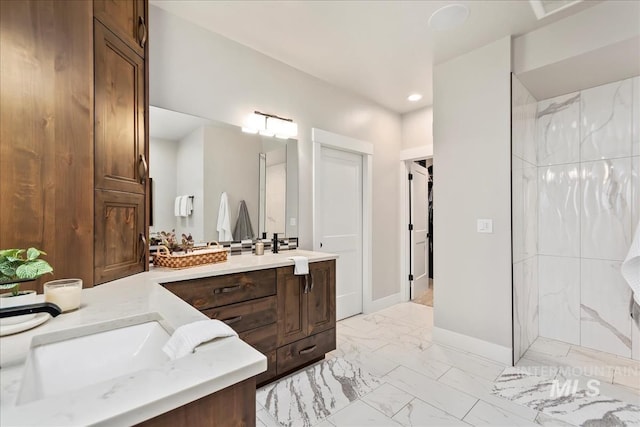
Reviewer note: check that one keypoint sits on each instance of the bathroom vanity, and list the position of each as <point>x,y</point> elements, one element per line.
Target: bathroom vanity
<point>287,324</point>
<point>291,319</point>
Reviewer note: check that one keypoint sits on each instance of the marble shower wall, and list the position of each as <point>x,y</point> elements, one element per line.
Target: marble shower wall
<point>524,196</point>
<point>588,166</point>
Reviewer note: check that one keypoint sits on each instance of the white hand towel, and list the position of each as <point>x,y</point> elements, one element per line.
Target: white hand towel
<point>189,206</point>
<point>176,206</point>
<point>184,200</point>
<point>301,265</point>
<point>187,337</point>
<point>631,266</point>
<point>224,224</point>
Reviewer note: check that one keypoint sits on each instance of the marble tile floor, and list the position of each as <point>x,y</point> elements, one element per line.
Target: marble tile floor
<point>387,371</point>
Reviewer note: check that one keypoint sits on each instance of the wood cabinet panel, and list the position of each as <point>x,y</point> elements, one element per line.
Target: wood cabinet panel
<point>119,246</point>
<point>292,307</point>
<point>210,292</point>
<point>321,300</point>
<point>233,406</point>
<point>246,315</point>
<point>120,155</point>
<point>46,133</point>
<point>127,19</point>
<point>305,350</point>
<point>263,339</point>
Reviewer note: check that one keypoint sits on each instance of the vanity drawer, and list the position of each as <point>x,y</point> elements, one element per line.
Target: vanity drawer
<point>247,315</point>
<point>271,368</point>
<point>210,292</point>
<point>300,352</point>
<point>262,339</point>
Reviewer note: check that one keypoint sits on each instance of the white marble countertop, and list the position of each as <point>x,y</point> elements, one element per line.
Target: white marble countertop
<point>136,397</point>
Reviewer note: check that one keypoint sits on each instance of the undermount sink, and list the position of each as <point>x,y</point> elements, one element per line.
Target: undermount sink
<point>62,365</point>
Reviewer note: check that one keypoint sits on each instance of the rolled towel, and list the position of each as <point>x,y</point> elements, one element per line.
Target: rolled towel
<point>187,337</point>
<point>301,265</point>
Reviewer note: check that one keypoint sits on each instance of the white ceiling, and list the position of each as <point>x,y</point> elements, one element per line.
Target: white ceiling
<point>171,125</point>
<point>382,50</point>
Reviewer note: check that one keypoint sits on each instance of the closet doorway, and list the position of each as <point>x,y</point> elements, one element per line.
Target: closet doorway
<point>420,229</point>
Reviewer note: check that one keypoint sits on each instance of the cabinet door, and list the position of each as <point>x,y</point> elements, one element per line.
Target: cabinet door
<point>126,18</point>
<point>321,298</point>
<point>292,307</point>
<point>119,243</point>
<point>120,162</point>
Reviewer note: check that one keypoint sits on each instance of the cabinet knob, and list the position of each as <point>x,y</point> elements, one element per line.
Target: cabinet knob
<point>142,31</point>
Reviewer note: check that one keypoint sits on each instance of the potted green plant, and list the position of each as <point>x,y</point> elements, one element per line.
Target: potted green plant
<point>17,266</point>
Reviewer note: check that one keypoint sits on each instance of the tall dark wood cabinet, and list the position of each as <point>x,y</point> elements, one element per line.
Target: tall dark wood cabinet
<point>46,133</point>
<point>73,134</point>
<point>121,141</point>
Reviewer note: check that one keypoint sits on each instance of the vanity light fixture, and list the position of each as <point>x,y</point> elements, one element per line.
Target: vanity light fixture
<point>270,125</point>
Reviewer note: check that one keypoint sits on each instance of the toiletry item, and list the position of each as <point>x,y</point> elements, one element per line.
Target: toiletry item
<point>259,247</point>
<point>274,243</point>
<point>64,293</point>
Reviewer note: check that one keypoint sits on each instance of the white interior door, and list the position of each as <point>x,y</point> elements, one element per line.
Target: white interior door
<point>419,220</point>
<point>339,198</point>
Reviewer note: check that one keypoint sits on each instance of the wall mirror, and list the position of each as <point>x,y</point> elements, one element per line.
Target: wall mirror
<point>203,158</point>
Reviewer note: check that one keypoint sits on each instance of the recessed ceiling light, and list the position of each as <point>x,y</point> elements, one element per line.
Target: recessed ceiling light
<point>414,97</point>
<point>448,17</point>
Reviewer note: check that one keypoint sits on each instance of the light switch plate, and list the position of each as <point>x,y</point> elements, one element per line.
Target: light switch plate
<point>293,222</point>
<point>485,226</point>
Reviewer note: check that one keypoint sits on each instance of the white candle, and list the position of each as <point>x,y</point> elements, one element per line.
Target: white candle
<point>65,297</point>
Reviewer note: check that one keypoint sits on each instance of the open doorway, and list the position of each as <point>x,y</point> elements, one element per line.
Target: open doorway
<point>420,185</point>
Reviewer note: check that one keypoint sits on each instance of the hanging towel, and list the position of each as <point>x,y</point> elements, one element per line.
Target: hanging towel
<point>187,337</point>
<point>301,265</point>
<point>189,205</point>
<point>224,227</point>
<point>631,266</point>
<point>176,206</point>
<point>184,202</point>
<point>243,229</point>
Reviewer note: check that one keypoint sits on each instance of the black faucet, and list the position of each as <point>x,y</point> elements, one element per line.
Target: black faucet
<point>274,243</point>
<point>21,310</point>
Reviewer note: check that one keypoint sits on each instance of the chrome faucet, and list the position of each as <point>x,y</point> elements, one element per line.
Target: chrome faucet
<point>21,310</point>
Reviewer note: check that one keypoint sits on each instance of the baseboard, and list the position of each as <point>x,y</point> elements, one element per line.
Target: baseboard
<point>381,303</point>
<point>473,345</point>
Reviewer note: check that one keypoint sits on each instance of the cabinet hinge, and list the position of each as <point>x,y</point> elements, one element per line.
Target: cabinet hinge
<point>410,176</point>
<point>411,277</point>
<point>410,227</point>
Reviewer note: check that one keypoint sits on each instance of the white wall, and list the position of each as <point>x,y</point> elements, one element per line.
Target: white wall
<point>471,116</point>
<point>189,180</point>
<point>202,73</point>
<point>417,128</point>
<point>162,168</point>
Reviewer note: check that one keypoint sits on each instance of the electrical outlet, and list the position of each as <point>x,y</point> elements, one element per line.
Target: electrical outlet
<point>485,226</point>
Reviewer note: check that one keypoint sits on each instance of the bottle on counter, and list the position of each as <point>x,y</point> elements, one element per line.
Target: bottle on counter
<point>259,247</point>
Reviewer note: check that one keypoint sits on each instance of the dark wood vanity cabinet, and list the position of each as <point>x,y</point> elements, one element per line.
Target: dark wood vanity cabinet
<point>306,306</point>
<point>120,139</point>
<point>289,320</point>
